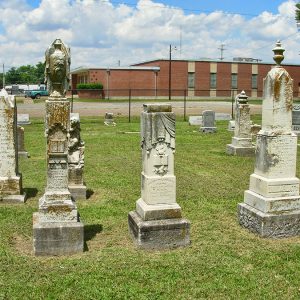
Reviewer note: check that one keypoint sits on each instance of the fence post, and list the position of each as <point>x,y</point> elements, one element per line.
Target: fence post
<point>232,100</point>
<point>184,106</point>
<point>129,106</point>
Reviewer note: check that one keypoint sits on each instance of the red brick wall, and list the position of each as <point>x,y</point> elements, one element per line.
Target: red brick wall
<point>145,79</point>
<point>244,78</point>
<point>223,79</point>
<point>202,78</point>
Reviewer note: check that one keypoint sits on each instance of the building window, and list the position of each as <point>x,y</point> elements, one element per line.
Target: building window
<point>191,80</point>
<point>254,81</point>
<point>213,80</point>
<point>234,81</point>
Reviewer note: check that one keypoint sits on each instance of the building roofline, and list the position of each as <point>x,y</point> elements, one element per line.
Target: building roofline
<point>134,68</point>
<point>215,61</point>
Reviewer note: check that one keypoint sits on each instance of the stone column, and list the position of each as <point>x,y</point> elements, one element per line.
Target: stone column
<point>241,144</point>
<point>271,206</point>
<point>157,221</point>
<point>76,160</point>
<point>57,229</point>
<point>10,178</point>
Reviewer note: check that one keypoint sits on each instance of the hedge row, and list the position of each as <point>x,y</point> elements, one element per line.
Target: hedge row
<point>89,86</point>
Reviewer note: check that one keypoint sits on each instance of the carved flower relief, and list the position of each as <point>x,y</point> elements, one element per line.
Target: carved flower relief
<point>161,159</point>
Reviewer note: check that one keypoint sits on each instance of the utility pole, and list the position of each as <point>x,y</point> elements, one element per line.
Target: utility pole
<point>170,69</point>
<point>222,50</point>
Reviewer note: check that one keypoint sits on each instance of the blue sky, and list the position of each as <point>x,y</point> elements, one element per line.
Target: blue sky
<point>104,32</point>
<point>253,7</point>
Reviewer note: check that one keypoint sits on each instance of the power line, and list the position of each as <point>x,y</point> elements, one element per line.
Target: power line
<point>179,8</point>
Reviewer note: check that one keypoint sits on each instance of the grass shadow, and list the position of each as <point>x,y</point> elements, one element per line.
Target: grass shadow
<point>89,232</point>
<point>89,193</point>
<point>30,192</point>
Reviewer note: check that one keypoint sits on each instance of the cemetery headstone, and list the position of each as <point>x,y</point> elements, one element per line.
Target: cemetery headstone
<point>23,119</point>
<point>222,117</point>
<point>10,177</point>
<point>296,119</point>
<point>231,125</point>
<point>271,206</point>
<point>109,119</point>
<point>21,144</point>
<point>195,120</point>
<point>57,229</point>
<point>241,144</point>
<point>76,159</point>
<point>157,221</point>
<point>208,122</point>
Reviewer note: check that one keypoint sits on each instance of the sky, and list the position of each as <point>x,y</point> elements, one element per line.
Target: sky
<point>106,33</point>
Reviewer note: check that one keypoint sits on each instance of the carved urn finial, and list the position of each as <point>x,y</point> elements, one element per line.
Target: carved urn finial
<point>242,98</point>
<point>278,53</point>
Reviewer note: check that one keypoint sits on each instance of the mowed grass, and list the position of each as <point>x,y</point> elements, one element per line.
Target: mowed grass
<point>224,261</point>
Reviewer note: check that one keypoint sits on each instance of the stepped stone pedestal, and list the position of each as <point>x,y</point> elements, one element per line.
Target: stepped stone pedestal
<point>10,178</point>
<point>241,144</point>
<point>271,206</point>
<point>57,229</point>
<point>157,221</point>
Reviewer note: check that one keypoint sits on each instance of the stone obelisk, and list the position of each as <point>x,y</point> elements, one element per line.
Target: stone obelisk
<point>57,229</point>
<point>10,177</point>
<point>271,206</point>
<point>241,144</point>
<point>157,221</point>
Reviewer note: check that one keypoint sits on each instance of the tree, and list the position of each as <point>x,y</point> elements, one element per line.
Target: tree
<point>297,14</point>
<point>26,74</point>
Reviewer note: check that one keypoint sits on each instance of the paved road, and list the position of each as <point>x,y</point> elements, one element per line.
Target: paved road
<point>99,109</point>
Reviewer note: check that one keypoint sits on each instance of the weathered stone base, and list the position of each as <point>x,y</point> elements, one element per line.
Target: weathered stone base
<point>23,154</point>
<point>14,198</point>
<point>78,192</point>
<point>240,151</point>
<point>269,225</point>
<point>159,234</point>
<point>57,238</point>
<point>158,211</point>
<point>208,129</point>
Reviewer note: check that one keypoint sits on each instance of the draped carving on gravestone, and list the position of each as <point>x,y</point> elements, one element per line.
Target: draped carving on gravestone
<point>76,145</point>
<point>57,68</point>
<point>162,137</point>
<point>162,129</point>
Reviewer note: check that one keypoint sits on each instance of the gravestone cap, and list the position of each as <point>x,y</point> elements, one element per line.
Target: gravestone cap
<point>242,98</point>
<point>157,107</point>
<point>278,53</point>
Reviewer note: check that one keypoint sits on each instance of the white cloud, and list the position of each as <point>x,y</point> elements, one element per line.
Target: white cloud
<point>101,33</point>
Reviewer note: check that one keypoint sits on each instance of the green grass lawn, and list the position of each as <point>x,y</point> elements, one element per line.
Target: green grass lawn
<point>224,261</point>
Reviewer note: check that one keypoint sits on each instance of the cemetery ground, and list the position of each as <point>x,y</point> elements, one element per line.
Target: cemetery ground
<point>224,260</point>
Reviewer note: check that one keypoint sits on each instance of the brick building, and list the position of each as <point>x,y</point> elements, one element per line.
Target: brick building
<point>188,77</point>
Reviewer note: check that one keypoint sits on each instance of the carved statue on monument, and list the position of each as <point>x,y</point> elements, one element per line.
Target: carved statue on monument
<point>57,69</point>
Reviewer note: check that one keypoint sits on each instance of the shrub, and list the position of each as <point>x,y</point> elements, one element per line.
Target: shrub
<point>89,86</point>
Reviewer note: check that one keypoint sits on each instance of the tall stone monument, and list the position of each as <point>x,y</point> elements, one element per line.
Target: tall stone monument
<point>157,221</point>
<point>10,178</point>
<point>57,229</point>
<point>271,206</point>
<point>241,144</point>
<point>76,159</point>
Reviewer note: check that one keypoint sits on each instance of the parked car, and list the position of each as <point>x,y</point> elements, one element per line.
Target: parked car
<point>36,94</point>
